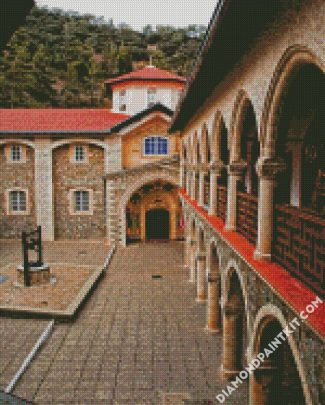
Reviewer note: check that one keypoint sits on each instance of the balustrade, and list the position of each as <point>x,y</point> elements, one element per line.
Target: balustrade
<point>222,202</point>
<point>247,207</point>
<point>298,245</point>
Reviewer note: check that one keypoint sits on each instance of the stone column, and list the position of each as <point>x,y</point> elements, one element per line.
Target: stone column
<point>230,321</point>
<point>235,171</point>
<point>193,185</point>
<point>44,188</point>
<point>267,169</point>
<point>188,182</point>
<point>213,316</point>
<point>201,188</point>
<point>193,262</point>
<point>201,279</point>
<point>187,252</point>
<point>215,173</point>
<point>182,175</point>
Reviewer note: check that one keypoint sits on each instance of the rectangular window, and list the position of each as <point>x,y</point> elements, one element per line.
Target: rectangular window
<point>17,201</point>
<point>156,145</point>
<point>15,153</point>
<point>80,153</point>
<point>81,201</point>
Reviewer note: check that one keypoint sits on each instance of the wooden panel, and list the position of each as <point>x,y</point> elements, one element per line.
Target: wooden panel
<point>222,202</point>
<point>247,216</point>
<point>299,241</point>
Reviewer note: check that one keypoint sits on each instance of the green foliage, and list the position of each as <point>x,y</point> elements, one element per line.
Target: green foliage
<point>62,59</point>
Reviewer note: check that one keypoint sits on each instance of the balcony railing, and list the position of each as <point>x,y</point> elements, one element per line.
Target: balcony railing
<point>207,190</point>
<point>222,202</point>
<point>299,245</point>
<point>247,205</point>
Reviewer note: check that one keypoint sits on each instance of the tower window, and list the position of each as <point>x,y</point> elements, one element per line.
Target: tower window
<point>151,97</point>
<point>156,145</point>
<point>122,100</point>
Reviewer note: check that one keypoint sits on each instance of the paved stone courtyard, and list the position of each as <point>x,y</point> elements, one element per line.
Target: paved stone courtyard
<point>136,338</point>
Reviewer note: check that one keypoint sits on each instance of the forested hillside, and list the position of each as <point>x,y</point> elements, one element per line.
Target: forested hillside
<point>61,59</point>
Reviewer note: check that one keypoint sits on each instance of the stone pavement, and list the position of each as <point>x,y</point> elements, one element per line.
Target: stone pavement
<point>136,338</point>
<point>17,338</point>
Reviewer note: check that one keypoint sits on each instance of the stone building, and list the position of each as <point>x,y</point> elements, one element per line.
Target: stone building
<point>253,189</point>
<point>95,173</point>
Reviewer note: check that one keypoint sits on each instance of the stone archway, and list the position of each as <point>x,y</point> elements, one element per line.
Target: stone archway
<point>153,213</point>
<point>121,186</point>
<point>280,378</point>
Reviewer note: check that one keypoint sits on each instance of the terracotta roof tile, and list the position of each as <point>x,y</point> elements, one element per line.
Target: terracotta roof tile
<point>147,73</point>
<point>29,120</point>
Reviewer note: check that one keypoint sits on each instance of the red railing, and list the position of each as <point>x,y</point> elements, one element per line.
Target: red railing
<point>299,245</point>
<point>207,190</point>
<point>247,205</point>
<point>222,202</point>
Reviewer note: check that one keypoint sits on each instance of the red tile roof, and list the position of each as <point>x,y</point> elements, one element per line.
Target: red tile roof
<point>29,120</point>
<point>147,73</point>
<point>292,290</point>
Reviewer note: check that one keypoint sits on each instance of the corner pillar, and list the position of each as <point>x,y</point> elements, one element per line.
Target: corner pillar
<point>44,188</point>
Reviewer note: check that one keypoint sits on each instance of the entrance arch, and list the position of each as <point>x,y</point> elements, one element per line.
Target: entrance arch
<point>157,224</point>
<point>154,212</point>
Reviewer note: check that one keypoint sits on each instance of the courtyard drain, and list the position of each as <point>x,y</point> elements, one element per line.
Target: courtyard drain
<point>156,276</point>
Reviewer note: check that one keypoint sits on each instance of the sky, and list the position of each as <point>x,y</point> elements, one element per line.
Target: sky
<point>138,13</point>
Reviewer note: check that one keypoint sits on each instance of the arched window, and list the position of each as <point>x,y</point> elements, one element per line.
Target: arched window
<point>156,145</point>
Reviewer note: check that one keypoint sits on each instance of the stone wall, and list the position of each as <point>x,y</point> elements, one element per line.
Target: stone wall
<point>17,175</point>
<point>68,176</point>
<point>133,147</point>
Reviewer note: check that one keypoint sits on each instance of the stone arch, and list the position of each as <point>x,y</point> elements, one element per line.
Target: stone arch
<point>18,141</point>
<point>268,316</point>
<point>205,150</point>
<point>89,141</point>
<point>242,108</point>
<point>293,58</point>
<point>241,104</point>
<point>215,136</point>
<point>235,323</point>
<point>131,189</point>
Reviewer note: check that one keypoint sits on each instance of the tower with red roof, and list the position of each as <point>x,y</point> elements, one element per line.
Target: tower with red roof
<point>142,89</point>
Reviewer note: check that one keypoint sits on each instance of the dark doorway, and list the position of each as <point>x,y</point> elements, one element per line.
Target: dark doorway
<point>157,224</point>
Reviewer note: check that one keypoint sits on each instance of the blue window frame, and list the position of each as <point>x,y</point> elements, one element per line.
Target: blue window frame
<point>156,145</point>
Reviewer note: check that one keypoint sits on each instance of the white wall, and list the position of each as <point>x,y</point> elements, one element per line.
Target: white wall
<point>136,98</point>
